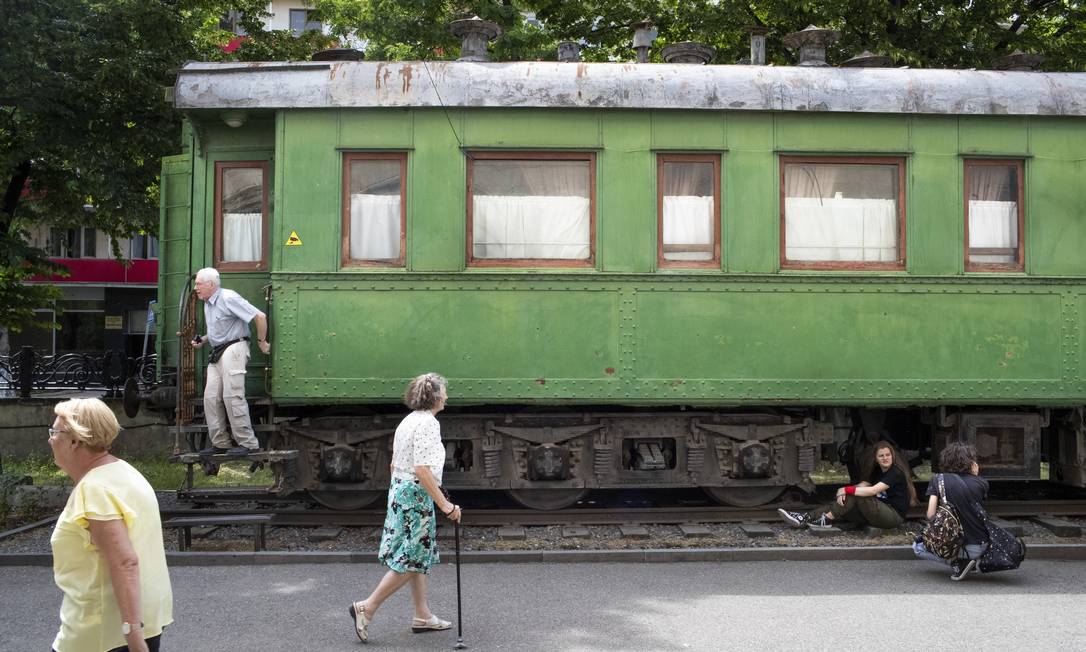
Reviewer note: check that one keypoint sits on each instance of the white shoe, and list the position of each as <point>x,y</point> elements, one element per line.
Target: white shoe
<point>431,624</point>
<point>361,622</point>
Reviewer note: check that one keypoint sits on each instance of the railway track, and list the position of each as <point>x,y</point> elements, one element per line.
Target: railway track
<point>300,517</point>
<point>294,515</point>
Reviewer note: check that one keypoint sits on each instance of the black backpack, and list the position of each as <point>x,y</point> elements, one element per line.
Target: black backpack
<point>943,535</point>
<point>1005,551</point>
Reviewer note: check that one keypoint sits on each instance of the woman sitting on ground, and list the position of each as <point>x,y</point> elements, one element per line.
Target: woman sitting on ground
<point>964,488</point>
<point>409,540</point>
<point>882,500</point>
<point>108,555</point>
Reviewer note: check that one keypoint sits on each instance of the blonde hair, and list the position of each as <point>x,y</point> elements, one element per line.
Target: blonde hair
<point>424,392</point>
<point>89,421</point>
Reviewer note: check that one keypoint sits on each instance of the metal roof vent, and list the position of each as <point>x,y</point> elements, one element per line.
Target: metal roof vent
<point>474,33</point>
<point>569,51</point>
<point>1019,61</point>
<point>644,35</point>
<point>868,59</point>
<point>688,52</point>
<point>757,44</point>
<point>811,43</point>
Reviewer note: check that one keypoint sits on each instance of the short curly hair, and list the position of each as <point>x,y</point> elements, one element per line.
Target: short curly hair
<point>424,392</point>
<point>89,421</point>
<point>957,457</point>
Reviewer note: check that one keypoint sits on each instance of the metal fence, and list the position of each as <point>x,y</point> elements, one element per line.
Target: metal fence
<point>28,370</point>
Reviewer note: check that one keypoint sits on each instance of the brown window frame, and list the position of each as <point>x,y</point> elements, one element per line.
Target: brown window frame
<point>898,265</point>
<point>661,262</point>
<point>241,266</point>
<point>1020,165</point>
<point>345,259</point>
<point>589,262</point>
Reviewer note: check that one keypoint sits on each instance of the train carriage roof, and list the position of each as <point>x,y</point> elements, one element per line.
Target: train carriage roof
<point>451,84</point>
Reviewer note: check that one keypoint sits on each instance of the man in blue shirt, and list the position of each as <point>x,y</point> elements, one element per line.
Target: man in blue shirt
<point>227,316</point>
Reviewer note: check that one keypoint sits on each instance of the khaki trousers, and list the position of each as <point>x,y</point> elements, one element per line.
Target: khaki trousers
<point>224,399</point>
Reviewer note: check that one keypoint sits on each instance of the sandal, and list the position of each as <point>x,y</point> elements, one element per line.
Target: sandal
<point>361,622</point>
<point>431,624</point>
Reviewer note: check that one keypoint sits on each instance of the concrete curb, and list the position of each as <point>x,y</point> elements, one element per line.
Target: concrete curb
<point>1047,551</point>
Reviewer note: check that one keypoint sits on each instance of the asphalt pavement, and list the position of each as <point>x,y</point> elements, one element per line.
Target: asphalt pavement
<point>812,605</point>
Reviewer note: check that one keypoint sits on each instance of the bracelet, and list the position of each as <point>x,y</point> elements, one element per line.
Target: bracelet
<point>451,510</point>
<point>850,490</point>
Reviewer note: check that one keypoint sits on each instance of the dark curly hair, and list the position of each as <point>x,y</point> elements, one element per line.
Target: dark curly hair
<point>957,457</point>
<point>424,392</point>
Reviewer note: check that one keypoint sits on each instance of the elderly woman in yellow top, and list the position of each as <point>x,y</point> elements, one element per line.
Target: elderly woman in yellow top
<point>108,556</point>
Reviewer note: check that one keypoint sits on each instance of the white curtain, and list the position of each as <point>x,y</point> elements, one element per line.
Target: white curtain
<point>530,226</point>
<point>688,220</point>
<point>375,227</point>
<point>241,236</point>
<point>993,225</point>
<point>841,229</point>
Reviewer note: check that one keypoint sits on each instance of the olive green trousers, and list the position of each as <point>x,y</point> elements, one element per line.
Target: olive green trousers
<point>865,510</point>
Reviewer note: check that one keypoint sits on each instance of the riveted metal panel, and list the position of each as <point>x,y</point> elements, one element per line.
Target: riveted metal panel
<point>516,343</point>
<point>819,333</point>
<point>642,340</point>
<point>1078,340</point>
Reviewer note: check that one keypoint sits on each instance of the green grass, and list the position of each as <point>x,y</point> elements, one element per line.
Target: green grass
<point>162,475</point>
<point>836,474</point>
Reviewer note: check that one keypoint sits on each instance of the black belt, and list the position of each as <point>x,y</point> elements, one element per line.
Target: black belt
<point>217,351</point>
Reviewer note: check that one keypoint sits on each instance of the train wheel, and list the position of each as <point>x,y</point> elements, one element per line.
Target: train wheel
<point>546,499</point>
<point>744,496</point>
<point>345,500</point>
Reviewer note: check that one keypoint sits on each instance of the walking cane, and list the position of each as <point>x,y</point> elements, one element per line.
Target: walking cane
<point>459,618</point>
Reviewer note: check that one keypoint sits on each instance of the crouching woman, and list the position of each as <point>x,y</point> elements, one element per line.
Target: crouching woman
<point>964,488</point>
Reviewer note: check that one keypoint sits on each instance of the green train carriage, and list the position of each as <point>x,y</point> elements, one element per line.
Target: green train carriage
<point>644,275</point>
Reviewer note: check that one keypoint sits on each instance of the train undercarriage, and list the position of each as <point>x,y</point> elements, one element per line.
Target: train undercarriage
<point>548,461</point>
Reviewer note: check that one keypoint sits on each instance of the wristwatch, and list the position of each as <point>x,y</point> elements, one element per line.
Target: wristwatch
<point>126,628</point>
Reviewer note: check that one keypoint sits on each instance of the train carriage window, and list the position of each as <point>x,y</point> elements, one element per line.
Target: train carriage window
<point>241,215</point>
<point>688,196</point>
<point>993,215</point>
<point>840,213</point>
<point>374,209</point>
<point>534,209</point>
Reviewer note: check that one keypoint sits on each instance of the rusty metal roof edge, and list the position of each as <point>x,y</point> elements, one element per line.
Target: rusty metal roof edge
<point>455,84</point>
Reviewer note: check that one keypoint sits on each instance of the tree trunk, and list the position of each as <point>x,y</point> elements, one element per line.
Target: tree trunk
<point>14,193</point>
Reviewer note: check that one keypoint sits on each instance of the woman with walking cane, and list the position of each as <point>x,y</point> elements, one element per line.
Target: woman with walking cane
<point>409,540</point>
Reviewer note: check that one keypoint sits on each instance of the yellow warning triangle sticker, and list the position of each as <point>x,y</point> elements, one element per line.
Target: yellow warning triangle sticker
<point>294,240</point>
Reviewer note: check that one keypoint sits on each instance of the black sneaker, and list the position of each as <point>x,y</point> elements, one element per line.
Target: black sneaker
<point>797,519</point>
<point>214,450</point>
<point>962,568</point>
<point>241,451</point>
<point>823,523</point>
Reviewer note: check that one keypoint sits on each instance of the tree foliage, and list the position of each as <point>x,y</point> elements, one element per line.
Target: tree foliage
<point>921,33</point>
<point>84,122</point>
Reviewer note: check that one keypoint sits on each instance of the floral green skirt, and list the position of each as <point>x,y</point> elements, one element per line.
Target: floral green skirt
<point>409,539</point>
